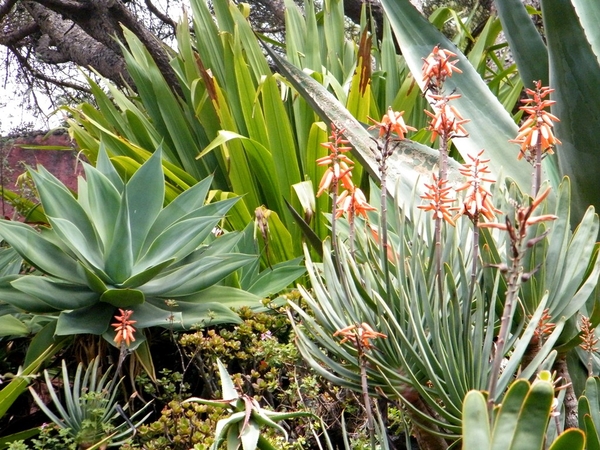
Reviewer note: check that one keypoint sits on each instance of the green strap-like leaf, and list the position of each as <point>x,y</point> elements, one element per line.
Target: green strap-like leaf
<point>574,74</point>
<point>490,126</point>
<point>476,429</point>
<point>93,319</point>
<point>526,44</point>
<point>571,439</point>
<point>60,295</point>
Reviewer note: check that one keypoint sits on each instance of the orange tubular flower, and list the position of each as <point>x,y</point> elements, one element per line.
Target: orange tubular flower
<point>536,132</point>
<point>124,328</point>
<point>478,200</point>
<point>353,203</point>
<point>392,122</point>
<point>446,120</point>
<point>340,169</point>
<point>438,200</point>
<point>438,66</point>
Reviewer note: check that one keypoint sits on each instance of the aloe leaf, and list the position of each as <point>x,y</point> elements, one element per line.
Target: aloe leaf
<point>574,71</point>
<point>508,416</point>
<point>526,44</point>
<point>273,280</point>
<point>39,252</point>
<point>476,430</point>
<point>228,298</point>
<point>118,259</point>
<point>103,200</point>
<point>229,390</point>
<point>249,435</point>
<point>589,17</point>
<point>571,439</point>
<point>530,433</point>
<point>410,159</point>
<point>490,126</point>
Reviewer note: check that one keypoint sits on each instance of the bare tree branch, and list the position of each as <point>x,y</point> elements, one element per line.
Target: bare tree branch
<point>163,17</point>
<point>19,34</point>
<point>6,7</point>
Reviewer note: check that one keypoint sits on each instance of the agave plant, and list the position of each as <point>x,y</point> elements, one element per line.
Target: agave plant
<point>90,411</point>
<point>116,246</point>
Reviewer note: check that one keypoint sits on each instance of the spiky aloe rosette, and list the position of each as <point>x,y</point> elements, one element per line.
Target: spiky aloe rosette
<point>116,246</point>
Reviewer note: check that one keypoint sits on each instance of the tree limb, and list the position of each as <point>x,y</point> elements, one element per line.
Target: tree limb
<point>6,7</point>
<point>19,34</point>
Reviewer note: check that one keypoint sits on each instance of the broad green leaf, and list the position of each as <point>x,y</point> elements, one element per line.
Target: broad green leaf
<point>177,241</point>
<point>21,300</point>
<point>229,390</point>
<point>273,280</point>
<point>123,298</point>
<point>145,275</point>
<point>184,315</point>
<point>56,293</point>
<point>574,71</point>
<point>39,252</point>
<point>103,199</point>
<point>490,126</point>
<point>476,430</point>
<point>93,319</point>
<point>145,197</point>
<point>526,44</point>
<point>195,277</point>
<point>571,439</point>
<point>249,435</point>
<point>531,428</point>
<point>118,259</point>
<point>11,326</point>
<point>588,14</point>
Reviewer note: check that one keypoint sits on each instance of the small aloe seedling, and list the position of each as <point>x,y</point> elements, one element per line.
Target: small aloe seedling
<point>243,426</point>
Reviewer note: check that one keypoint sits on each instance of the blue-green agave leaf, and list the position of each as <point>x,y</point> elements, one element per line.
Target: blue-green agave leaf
<point>178,240</point>
<point>11,326</point>
<point>106,167</point>
<point>195,277</point>
<point>93,319</point>
<point>41,253</point>
<point>145,196</point>
<point>272,280</point>
<point>119,258</point>
<point>123,298</point>
<point>589,17</point>
<point>56,293</point>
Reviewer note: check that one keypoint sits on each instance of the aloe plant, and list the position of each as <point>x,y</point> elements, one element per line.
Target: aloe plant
<point>520,423</point>
<point>116,246</point>
<point>90,411</point>
<point>242,428</point>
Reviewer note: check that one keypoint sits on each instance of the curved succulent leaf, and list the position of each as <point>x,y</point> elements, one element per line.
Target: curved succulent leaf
<point>123,298</point>
<point>526,44</point>
<point>93,319</point>
<point>490,126</point>
<point>118,258</point>
<point>21,300</point>
<point>574,71</point>
<point>191,278</point>
<point>56,293</point>
<point>41,253</point>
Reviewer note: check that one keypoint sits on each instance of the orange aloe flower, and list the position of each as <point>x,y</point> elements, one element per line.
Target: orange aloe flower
<point>392,122</point>
<point>340,165</point>
<point>446,120</point>
<point>124,328</point>
<point>438,200</point>
<point>536,131</point>
<point>353,203</point>
<point>478,199</point>
<point>438,66</point>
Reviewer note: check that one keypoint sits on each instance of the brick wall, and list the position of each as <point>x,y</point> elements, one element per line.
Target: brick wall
<point>15,159</point>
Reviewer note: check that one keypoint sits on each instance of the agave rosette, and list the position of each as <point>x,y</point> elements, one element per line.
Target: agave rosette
<point>116,246</point>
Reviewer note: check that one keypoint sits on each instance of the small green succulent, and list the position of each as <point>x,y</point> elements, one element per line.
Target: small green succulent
<point>116,245</point>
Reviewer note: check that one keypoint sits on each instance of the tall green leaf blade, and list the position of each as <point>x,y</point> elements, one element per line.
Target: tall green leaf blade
<point>526,44</point>
<point>93,319</point>
<point>145,197</point>
<point>589,17</point>
<point>59,295</point>
<point>118,260</point>
<point>574,74</point>
<point>476,430</point>
<point>490,126</point>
